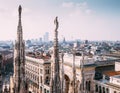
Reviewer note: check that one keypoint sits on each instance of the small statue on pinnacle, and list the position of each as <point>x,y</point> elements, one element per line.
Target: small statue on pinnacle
<point>20,10</point>
<point>56,23</point>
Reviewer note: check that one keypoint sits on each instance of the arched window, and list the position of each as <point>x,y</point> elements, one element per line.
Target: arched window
<point>86,85</point>
<point>41,79</point>
<point>35,78</point>
<point>48,71</point>
<point>100,90</point>
<point>107,90</point>
<point>40,89</point>
<point>47,91</point>
<point>47,80</point>
<point>103,89</point>
<point>96,88</point>
<point>44,90</point>
<point>89,85</point>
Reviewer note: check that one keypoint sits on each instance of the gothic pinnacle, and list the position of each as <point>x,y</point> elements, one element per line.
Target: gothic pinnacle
<point>20,10</point>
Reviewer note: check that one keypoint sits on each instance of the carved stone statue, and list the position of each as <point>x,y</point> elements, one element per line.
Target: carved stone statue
<point>56,23</point>
<point>20,10</point>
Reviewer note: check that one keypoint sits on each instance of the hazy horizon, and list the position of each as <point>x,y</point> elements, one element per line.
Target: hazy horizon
<point>78,19</point>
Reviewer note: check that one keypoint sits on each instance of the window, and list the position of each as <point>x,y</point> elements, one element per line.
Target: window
<point>47,80</point>
<point>86,85</point>
<point>103,89</point>
<point>35,78</point>
<point>107,78</point>
<point>107,90</point>
<point>47,91</point>
<point>100,90</point>
<point>41,89</point>
<point>41,71</point>
<point>89,85</point>
<point>96,88</point>
<point>41,79</point>
<point>48,71</point>
<point>44,90</point>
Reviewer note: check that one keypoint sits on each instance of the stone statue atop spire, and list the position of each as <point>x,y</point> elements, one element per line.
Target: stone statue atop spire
<point>20,10</point>
<point>56,23</point>
<point>19,14</point>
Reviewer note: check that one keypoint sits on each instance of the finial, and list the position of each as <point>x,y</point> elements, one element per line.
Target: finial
<point>56,22</point>
<point>20,10</point>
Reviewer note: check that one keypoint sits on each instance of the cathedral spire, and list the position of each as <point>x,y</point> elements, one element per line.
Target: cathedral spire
<point>56,50</point>
<point>19,29</point>
<point>55,79</point>
<point>19,59</point>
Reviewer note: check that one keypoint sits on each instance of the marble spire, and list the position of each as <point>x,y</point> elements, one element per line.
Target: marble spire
<point>19,59</point>
<point>55,79</point>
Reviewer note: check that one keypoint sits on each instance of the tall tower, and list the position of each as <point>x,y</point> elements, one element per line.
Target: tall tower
<point>19,60</point>
<point>46,37</point>
<point>0,74</point>
<point>55,79</point>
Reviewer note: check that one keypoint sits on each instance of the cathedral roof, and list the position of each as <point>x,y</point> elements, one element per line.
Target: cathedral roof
<point>112,73</point>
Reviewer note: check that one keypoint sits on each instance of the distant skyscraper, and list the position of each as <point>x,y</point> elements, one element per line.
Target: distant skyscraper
<point>86,41</point>
<point>64,41</point>
<point>40,40</point>
<point>46,37</point>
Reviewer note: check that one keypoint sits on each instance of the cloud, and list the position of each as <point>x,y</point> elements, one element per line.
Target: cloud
<point>74,5</point>
<point>83,23</point>
<point>3,11</point>
<point>76,20</point>
<point>88,11</point>
<point>68,4</point>
<point>82,5</point>
<point>77,8</point>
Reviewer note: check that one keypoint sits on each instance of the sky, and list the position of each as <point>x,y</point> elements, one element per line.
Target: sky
<point>78,19</point>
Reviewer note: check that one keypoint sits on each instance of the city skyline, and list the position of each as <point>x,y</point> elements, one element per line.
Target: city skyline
<point>50,67</point>
<point>79,19</point>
